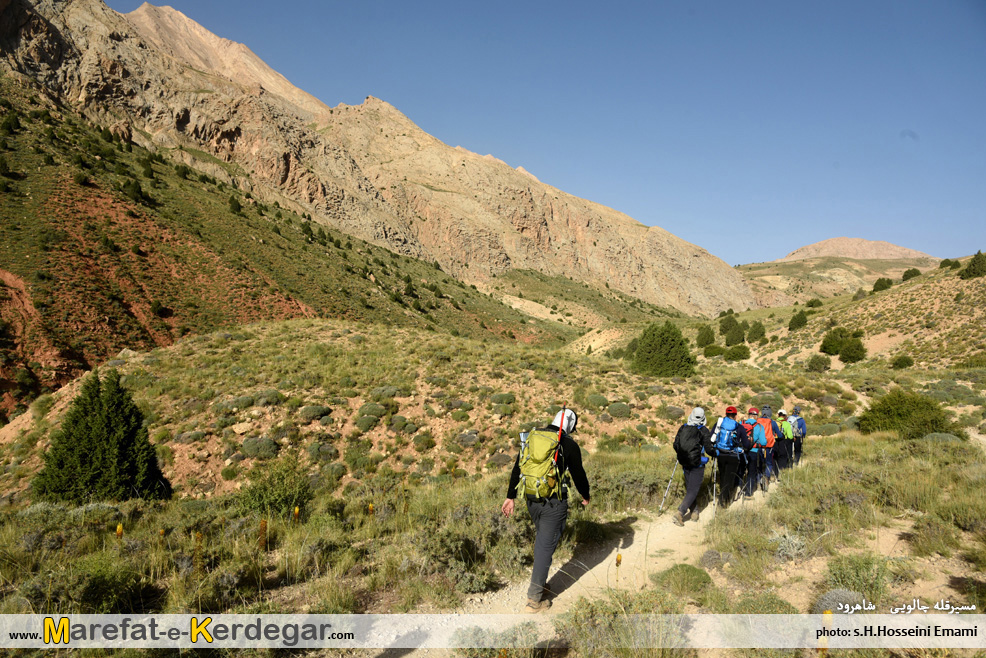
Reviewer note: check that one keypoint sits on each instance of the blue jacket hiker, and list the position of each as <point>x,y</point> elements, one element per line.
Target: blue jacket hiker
<point>729,437</point>
<point>691,440</point>
<point>546,455</point>
<point>756,452</point>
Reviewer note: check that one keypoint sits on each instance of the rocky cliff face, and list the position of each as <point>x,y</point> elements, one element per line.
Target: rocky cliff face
<point>165,81</point>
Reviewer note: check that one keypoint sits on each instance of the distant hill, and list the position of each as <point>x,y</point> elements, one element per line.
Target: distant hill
<point>856,248</point>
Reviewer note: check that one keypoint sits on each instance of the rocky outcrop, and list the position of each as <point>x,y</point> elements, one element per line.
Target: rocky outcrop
<point>367,170</point>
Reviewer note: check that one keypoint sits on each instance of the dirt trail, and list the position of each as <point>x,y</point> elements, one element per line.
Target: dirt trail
<point>646,545</point>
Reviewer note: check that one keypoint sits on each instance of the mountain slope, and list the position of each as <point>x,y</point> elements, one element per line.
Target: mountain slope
<point>163,81</point>
<point>856,248</point>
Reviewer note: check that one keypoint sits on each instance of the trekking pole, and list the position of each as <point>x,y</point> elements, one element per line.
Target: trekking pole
<point>670,480</point>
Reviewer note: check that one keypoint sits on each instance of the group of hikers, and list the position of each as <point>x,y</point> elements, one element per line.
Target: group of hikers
<point>749,454</point>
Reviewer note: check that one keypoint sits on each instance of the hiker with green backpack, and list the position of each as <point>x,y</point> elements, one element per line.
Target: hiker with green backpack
<point>546,456</point>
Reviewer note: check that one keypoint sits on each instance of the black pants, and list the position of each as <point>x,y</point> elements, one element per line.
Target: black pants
<point>784,453</point>
<point>797,450</point>
<point>693,484</point>
<point>729,463</point>
<point>754,465</point>
<point>549,518</point>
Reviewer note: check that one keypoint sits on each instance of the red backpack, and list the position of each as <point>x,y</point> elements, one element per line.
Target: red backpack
<point>768,430</point>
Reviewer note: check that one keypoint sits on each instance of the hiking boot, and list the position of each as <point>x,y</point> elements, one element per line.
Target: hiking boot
<point>537,606</point>
<point>747,496</point>
<point>693,516</point>
<point>677,519</point>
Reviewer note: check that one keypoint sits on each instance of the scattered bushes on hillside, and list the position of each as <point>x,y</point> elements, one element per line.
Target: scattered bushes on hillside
<point>976,267</point>
<point>949,263</point>
<point>911,415</point>
<point>663,352</point>
<point>798,320</point>
<point>883,283</point>
<point>910,274</point>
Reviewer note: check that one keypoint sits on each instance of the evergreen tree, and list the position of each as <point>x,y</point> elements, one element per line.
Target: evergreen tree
<point>910,274</point>
<point>735,335</point>
<point>882,283</point>
<point>727,323</point>
<point>833,340</point>
<point>757,331</point>
<point>101,451</point>
<point>663,352</point>
<point>798,320</point>
<point>976,267</point>
<point>852,351</point>
<point>705,336</point>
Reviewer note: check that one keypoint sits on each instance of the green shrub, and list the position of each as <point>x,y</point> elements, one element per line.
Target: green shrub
<point>278,489</point>
<point>503,398</point>
<point>901,362</point>
<point>619,410</point>
<point>314,412</point>
<point>735,335</point>
<point>102,451</point>
<point>372,409</point>
<point>883,283</point>
<point>230,472</point>
<point>756,333</point>
<point>975,268</point>
<point>818,363</point>
<point>259,447</point>
<point>814,303</point>
<point>932,535</point>
<point>798,320</point>
<point>596,401</point>
<point>460,416</point>
<point>366,423</point>
<point>424,442</point>
<point>853,351</point>
<point>764,603</point>
<point>101,583</point>
<point>911,415</point>
<point>867,574</point>
<point>910,274</point>
<point>833,340</point>
<point>727,324</point>
<point>713,350</point>
<point>705,336</point>
<point>737,353</point>
<point>663,352</point>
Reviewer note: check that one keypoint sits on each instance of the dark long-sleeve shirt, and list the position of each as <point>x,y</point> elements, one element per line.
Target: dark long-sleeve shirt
<point>572,455</point>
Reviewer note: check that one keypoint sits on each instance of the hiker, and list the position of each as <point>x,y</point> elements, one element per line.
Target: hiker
<point>800,429</point>
<point>728,438</point>
<point>785,442</point>
<point>692,438</point>
<point>756,448</point>
<point>772,431</point>
<point>546,455</point>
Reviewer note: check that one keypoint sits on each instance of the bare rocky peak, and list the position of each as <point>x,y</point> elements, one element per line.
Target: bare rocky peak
<point>171,32</point>
<point>856,248</point>
<point>367,169</point>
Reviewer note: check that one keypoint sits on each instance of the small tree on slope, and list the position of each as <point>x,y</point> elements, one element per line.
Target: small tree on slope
<point>101,451</point>
<point>663,352</point>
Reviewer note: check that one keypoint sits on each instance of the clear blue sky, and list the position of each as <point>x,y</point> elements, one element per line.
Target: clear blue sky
<point>748,128</point>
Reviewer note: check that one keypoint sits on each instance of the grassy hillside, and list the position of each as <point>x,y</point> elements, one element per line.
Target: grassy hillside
<point>105,246</point>
<point>779,283</point>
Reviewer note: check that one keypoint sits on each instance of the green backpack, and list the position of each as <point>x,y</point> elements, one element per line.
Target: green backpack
<point>540,454</point>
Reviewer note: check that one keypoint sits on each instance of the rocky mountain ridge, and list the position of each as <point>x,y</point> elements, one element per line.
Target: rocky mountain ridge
<point>162,80</point>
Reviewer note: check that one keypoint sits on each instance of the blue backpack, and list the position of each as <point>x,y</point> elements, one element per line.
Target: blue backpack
<point>725,439</point>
